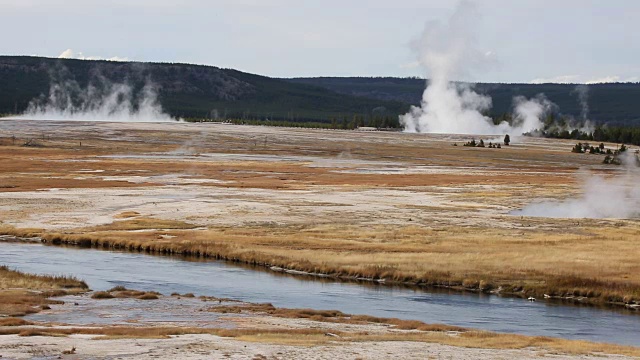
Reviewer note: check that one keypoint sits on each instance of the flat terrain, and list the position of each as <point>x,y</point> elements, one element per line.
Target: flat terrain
<point>380,205</point>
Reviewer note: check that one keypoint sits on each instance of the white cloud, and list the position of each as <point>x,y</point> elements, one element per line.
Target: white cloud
<point>604,79</point>
<point>577,79</point>
<point>70,54</point>
<point>562,79</point>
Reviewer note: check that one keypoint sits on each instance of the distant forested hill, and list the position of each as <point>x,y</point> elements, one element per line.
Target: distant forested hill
<point>209,92</point>
<point>614,103</point>
<point>187,90</point>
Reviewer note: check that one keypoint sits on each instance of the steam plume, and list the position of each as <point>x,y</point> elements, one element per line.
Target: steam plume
<point>101,100</point>
<point>447,51</point>
<point>602,197</point>
<point>583,98</point>
<point>529,112</point>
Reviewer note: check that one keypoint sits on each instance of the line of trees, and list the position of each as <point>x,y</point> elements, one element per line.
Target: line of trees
<point>622,135</point>
<point>345,122</point>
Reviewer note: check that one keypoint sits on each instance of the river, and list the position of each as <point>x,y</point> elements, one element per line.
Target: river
<point>105,269</point>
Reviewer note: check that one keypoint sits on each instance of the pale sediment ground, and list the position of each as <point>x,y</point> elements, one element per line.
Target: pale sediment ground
<point>182,170</point>
<point>81,311</point>
<point>397,205</point>
<point>202,346</point>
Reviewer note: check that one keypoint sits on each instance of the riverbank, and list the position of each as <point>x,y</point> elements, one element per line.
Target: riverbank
<point>568,289</point>
<point>22,294</point>
<point>124,323</point>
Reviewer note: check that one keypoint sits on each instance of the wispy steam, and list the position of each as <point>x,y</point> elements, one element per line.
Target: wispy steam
<point>528,113</point>
<point>602,197</point>
<point>101,100</point>
<point>583,98</point>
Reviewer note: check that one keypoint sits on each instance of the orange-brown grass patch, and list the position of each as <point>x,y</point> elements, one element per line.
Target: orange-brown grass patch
<point>127,215</point>
<point>99,295</point>
<point>148,296</point>
<point>142,223</point>
<point>33,169</point>
<point>21,302</point>
<point>14,321</point>
<point>121,292</point>
<point>333,316</point>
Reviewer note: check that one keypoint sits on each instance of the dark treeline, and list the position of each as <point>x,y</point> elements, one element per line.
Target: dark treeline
<point>559,126</point>
<point>621,135</point>
<point>336,122</point>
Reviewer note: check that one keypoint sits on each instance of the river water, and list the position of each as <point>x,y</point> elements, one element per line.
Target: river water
<point>105,269</point>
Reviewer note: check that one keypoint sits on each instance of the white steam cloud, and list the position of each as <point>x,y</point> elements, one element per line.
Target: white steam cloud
<point>528,113</point>
<point>101,101</point>
<point>602,197</point>
<point>447,50</point>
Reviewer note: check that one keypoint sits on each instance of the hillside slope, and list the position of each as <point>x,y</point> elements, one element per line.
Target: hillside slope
<point>614,103</point>
<point>185,90</point>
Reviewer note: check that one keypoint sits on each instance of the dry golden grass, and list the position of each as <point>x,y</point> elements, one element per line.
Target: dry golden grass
<point>121,292</point>
<point>599,264</point>
<point>142,223</point>
<point>13,321</point>
<point>22,294</point>
<point>23,232</point>
<point>11,279</point>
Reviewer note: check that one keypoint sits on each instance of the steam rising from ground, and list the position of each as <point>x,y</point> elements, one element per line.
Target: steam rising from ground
<point>583,98</point>
<point>447,50</point>
<point>602,197</point>
<point>101,100</point>
<point>528,113</point>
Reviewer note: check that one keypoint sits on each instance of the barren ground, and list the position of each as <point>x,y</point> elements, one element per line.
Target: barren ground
<point>381,205</point>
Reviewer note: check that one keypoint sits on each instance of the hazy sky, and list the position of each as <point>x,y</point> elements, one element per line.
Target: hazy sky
<point>531,40</point>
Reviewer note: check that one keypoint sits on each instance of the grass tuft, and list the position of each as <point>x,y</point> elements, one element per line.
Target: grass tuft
<point>102,295</point>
